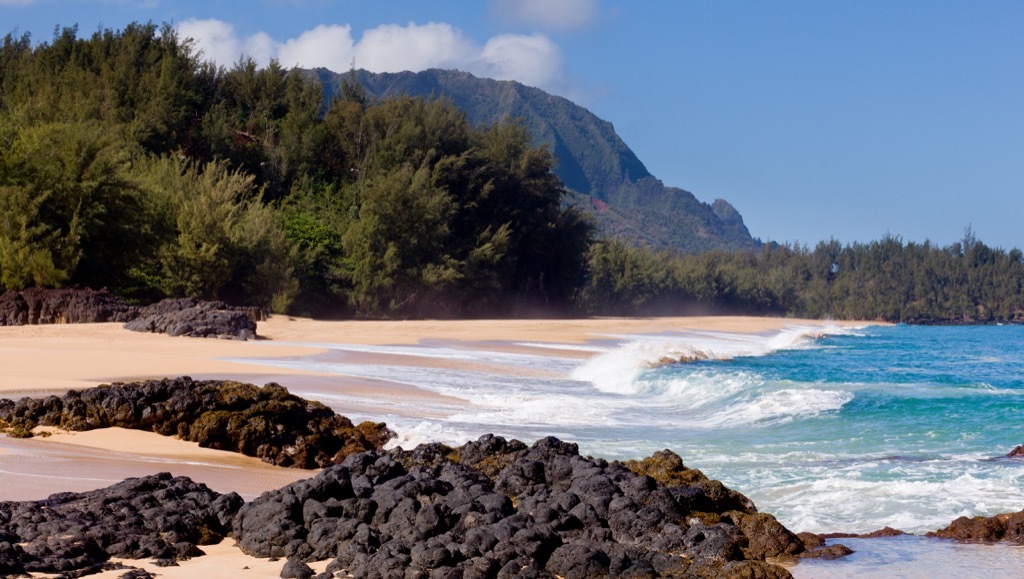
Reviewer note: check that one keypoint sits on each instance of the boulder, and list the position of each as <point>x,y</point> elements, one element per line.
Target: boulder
<point>195,318</point>
<point>1006,527</point>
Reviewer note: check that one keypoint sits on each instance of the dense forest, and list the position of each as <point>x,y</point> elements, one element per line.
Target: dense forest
<point>128,163</point>
<point>966,282</point>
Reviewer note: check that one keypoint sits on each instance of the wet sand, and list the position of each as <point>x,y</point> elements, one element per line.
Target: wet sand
<point>35,468</point>
<point>40,360</point>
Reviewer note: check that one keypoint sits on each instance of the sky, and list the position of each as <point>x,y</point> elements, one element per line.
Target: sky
<point>817,120</point>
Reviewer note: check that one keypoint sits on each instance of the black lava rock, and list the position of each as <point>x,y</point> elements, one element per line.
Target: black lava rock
<point>195,318</point>
<point>268,423</point>
<point>497,508</point>
<point>151,517</point>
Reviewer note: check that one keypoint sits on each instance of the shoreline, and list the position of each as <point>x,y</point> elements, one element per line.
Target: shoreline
<point>93,354</point>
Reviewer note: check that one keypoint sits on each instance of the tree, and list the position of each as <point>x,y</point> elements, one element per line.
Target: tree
<point>70,211</point>
<point>395,249</point>
<point>226,243</point>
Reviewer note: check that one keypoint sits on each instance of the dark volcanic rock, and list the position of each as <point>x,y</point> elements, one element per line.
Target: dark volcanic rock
<point>177,317</point>
<point>196,318</point>
<point>1008,527</point>
<point>491,508</point>
<point>883,532</point>
<point>497,508</point>
<point>828,553</point>
<point>62,306</point>
<point>1017,452</point>
<point>150,517</point>
<point>268,423</point>
<point>13,309</point>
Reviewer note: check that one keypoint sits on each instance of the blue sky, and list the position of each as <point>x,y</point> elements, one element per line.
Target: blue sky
<point>816,119</point>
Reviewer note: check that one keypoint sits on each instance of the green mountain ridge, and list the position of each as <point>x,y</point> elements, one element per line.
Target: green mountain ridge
<point>605,175</point>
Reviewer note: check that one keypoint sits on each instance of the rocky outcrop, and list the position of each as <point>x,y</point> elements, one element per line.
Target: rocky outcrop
<point>490,508</point>
<point>883,532</point>
<point>196,318</point>
<point>154,517</point>
<point>62,306</point>
<point>1008,527</point>
<point>268,423</point>
<point>497,508</point>
<point>177,316</point>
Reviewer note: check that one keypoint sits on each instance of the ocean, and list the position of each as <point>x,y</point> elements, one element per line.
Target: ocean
<point>829,429</point>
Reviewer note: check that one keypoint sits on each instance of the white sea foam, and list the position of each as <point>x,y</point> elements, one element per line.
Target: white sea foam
<point>779,406</point>
<point>820,454</point>
<point>543,410</point>
<point>568,347</point>
<point>412,435</point>
<point>847,499</point>
<point>617,371</point>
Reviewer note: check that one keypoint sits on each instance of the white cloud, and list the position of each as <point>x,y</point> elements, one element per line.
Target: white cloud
<point>392,48</point>
<point>260,47</point>
<point>329,47</point>
<point>556,14</point>
<point>531,59</point>
<point>216,40</point>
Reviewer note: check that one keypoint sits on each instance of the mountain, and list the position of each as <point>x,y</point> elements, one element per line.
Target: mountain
<point>604,174</point>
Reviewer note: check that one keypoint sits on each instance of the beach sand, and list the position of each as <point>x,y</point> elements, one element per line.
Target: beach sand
<point>38,360</point>
<point>56,358</point>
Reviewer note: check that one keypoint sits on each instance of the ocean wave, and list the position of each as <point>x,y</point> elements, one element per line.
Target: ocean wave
<point>915,502</point>
<point>779,406</point>
<point>524,409</point>
<point>617,371</point>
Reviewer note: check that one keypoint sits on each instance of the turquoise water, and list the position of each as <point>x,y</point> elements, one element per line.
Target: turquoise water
<point>829,430</point>
<point>898,426</point>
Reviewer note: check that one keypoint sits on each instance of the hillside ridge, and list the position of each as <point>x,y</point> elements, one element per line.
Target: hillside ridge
<point>605,175</point>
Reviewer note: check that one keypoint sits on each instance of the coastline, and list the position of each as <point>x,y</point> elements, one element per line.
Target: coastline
<point>92,354</point>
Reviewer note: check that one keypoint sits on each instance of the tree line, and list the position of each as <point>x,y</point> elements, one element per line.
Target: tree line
<point>127,162</point>
<point>888,280</point>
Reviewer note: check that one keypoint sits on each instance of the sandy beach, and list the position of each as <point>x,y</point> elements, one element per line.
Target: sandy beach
<point>60,357</point>
<point>37,360</point>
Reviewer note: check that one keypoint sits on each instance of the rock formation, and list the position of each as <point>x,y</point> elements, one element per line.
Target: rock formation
<point>498,508</point>
<point>268,423</point>
<point>154,517</point>
<point>62,306</point>
<point>1008,527</point>
<point>196,318</point>
<point>177,316</point>
<point>489,508</point>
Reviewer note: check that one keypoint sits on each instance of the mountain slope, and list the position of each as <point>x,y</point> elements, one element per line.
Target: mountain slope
<point>593,161</point>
